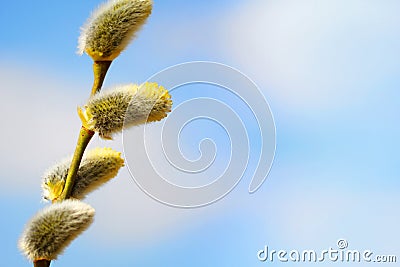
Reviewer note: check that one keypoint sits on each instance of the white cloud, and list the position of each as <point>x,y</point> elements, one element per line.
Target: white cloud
<point>314,54</point>
<point>39,125</point>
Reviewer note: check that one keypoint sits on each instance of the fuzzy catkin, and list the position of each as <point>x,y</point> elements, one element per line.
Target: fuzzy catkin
<point>98,166</point>
<point>111,27</point>
<point>125,106</point>
<point>52,229</point>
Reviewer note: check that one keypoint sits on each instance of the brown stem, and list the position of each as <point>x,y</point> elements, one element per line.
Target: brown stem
<point>100,69</point>
<point>41,263</point>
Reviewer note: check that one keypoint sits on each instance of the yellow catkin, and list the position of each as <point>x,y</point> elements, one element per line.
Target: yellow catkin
<point>124,106</point>
<point>111,27</point>
<point>52,229</point>
<point>98,166</point>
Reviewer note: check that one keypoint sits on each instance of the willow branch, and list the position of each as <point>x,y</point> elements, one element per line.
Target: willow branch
<point>100,69</point>
<point>83,140</point>
<point>41,263</point>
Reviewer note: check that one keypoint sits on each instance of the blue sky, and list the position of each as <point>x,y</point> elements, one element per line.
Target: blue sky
<point>330,72</point>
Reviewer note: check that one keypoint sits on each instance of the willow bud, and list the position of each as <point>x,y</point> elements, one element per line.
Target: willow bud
<point>111,27</point>
<point>98,166</point>
<point>122,107</point>
<point>52,229</point>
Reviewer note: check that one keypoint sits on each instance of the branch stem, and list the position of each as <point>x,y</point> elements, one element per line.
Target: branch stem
<point>41,263</point>
<point>100,69</point>
<point>83,140</point>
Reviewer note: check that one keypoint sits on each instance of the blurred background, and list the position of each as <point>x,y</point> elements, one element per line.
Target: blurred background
<point>330,71</point>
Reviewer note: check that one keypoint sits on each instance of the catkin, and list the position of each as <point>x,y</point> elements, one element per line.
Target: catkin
<point>111,27</point>
<point>52,229</point>
<point>98,166</point>
<point>125,106</point>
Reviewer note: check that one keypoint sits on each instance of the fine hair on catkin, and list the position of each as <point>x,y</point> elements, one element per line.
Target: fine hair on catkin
<point>98,166</point>
<point>125,106</point>
<point>52,229</point>
<point>111,27</point>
